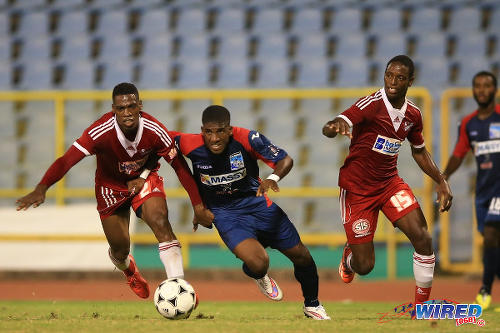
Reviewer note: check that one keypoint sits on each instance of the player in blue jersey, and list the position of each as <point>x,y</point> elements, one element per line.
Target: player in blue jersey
<point>224,160</point>
<point>480,131</point>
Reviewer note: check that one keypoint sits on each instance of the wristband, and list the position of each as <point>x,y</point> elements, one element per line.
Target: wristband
<point>274,177</point>
<point>144,175</point>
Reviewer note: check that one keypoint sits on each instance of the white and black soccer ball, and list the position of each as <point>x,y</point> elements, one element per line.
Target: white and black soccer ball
<point>175,298</point>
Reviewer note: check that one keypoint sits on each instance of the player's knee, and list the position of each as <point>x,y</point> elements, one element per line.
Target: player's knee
<point>259,264</point>
<point>423,243</point>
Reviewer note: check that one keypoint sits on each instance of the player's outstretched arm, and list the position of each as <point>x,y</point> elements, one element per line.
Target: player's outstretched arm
<point>427,164</point>
<point>53,174</point>
<point>335,126</point>
<point>282,168</point>
<point>453,164</point>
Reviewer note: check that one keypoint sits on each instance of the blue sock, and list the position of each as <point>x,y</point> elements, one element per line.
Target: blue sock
<point>308,279</point>
<point>250,273</point>
<point>490,260</point>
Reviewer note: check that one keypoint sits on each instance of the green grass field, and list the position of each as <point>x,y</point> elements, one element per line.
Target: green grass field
<point>94,316</point>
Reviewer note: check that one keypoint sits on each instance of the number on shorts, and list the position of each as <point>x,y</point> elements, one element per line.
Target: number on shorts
<point>402,200</point>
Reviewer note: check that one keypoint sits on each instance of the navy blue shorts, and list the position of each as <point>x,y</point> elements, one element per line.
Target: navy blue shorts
<point>487,212</point>
<point>252,218</point>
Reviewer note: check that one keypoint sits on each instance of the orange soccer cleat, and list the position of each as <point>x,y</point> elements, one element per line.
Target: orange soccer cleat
<point>345,273</point>
<point>134,279</point>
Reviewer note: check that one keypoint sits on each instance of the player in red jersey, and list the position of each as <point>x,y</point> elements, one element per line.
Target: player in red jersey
<point>480,131</point>
<point>369,180</point>
<point>122,141</point>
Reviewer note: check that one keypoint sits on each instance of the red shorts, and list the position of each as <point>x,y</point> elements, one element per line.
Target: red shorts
<point>360,213</point>
<point>109,200</point>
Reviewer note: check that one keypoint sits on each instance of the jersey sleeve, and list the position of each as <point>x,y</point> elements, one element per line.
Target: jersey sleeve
<point>166,144</point>
<point>463,144</point>
<point>260,147</point>
<point>86,143</point>
<point>356,113</point>
<point>415,136</point>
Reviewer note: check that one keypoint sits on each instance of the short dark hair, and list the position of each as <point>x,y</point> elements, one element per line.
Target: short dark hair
<point>216,114</point>
<point>405,61</point>
<point>125,88</point>
<point>485,73</point>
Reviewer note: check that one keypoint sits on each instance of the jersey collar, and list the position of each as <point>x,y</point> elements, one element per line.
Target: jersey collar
<point>129,146</point>
<point>396,115</point>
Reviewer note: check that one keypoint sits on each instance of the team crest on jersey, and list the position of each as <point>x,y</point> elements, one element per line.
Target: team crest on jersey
<point>495,131</point>
<point>131,166</point>
<point>407,126</point>
<point>361,227</point>
<point>386,146</point>
<point>236,161</point>
<point>275,150</point>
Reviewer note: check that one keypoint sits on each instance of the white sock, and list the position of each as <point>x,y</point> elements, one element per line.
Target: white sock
<point>171,257</point>
<point>423,269</point>
<point>348,261</point>
<point>121,265</point>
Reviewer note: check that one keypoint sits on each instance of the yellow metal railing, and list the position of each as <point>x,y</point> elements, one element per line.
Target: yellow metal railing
<point>61,192</point>
<point>475,264</point>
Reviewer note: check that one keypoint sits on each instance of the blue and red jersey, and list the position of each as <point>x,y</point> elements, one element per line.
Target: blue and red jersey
<point>483,137</point>
<point>233,174</point>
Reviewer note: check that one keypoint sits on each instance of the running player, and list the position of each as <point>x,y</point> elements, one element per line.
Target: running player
<point>369,180</point>
<point>225,167</point>
<point>480,130</point>
<point>122,141</point>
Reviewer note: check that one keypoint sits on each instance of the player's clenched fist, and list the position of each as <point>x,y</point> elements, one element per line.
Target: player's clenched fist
<point>337,125</point>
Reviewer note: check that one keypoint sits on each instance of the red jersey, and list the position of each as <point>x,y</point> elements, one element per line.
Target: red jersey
<point>378,130</point>
<point>119,159</point>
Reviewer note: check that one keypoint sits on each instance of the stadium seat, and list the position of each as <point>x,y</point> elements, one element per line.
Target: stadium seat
<point>267,21</point>
<point>73,23</point>
<point>112,22</point>
<point>229,21</point>
<point>67,5</point>
<point>272,73</point>
<point>346,20</point>
<point>156,48</point>
<point>35,48</point>
<point>386,21</point>
<point>193,47</point>
<point>79,75</point>
<point>465,20</point>
<point>155,74</point>
<point>271,46</point>
<point>494,22</point>
<point>233,74</point>
<point>37,75</point>
<point>115,72</point>
<point>191,21</point>
<point>76,48</point>
<point>153,22</point>
<point>351,72</point>
<point>33,23</point>
<point>425,20</point>
<point>468,67</point>
<point>192,74</point>
<point>28,4</point>
<point>78,116</point>
<point>113,48</point>
<point>313,72</point>
<point>4,24</point>
<point>232,47</point>
<point>387,46</point>
<point>311,46</point>
<point>350,45</point>
<point>242,113</point>
<point>5,50</point>
<point>469,45</point>
<point>431,72</point>
<point>432,44</point>
<point>307,21</point>
<point>191,111</point>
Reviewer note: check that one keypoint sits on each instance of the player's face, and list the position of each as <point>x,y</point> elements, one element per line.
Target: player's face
<point>396,82</point>
<point>484,90</point>
<point>216,136</point>
<point>127,109</point>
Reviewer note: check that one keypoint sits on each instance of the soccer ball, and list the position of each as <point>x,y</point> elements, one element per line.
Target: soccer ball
<point>175,299</point>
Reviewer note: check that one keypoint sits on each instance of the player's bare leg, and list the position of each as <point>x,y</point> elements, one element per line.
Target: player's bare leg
<point>255,265</point>
<point>414,226</point>
<point>362,260</point>
<point>306,273</point>
<point>155,214</point>
<point>116,229</point>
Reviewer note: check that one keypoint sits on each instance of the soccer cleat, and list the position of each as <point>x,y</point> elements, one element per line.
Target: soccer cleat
<point>136,282</point>
<point>270,288</point>
<point>345,273</point>
<point>483,298</point>
<point>316,312</point>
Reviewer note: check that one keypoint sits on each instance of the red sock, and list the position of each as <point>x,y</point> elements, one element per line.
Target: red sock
<point>130,270</point>
<point>422,294</point>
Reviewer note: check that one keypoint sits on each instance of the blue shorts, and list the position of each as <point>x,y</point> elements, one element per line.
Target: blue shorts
<point>251,217</point>
<point>487,212</point>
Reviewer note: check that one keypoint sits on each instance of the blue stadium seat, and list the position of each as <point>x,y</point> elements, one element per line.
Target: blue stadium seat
<point>193,47</point>
<point>5,50</point>
<point>470,45</point>
<point>350,45</point>
<point>4,24</point>
<point>431,44</point>
<point>268,20</point>
<point>494,24</point>
<point>72,23</point>
<point>114,48</point>
<point>271,46</point>
<point>33,23</point>
<point>28,4</point>
<point>79,75</point>
<point>307,21</point>
<point>155,74</point>
<point>157,47</point>
<point>78,116</point>
<point>193,74</point>
<point>35,48</point>
<point>387,46</point>
<point>191,21</point>
<point>231,47</point>
<point>351,72</point>
<point>233,74</point>
<point>431,72</point>
<point>425,20</point>
<point>385,21</point>
<point>37,75</point>
<point>191,112</point>
<point>75,48</point>
<point>313,72</point>
<point>112,22</point>
<point>346,20</point>
<point>465,20</point>
<point>468,67</point>
<point>229,21</point>
<point>153,22</point>
<point>67,4</point>
<point>273,73</point>
<point>5,75</point>
<point>115,72</point>
<point>311,46</point>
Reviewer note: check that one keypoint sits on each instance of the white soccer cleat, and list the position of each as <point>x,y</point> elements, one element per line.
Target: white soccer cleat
<point>316,312</point>
<point>270,288</point>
